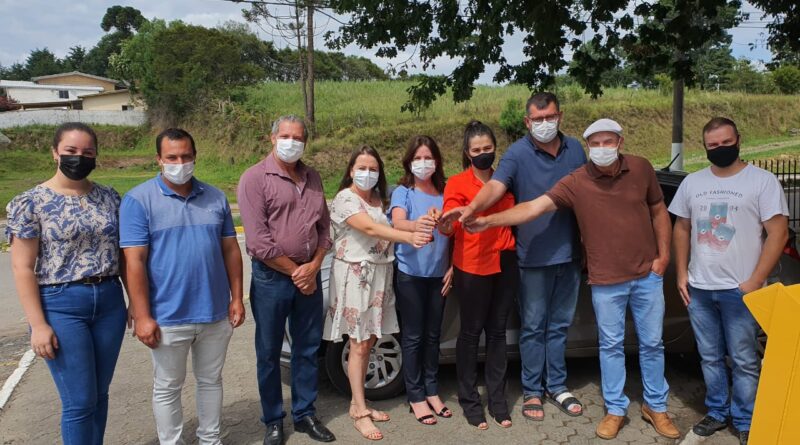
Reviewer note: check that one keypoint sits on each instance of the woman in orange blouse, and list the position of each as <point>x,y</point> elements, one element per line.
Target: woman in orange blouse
<point>485,278</point>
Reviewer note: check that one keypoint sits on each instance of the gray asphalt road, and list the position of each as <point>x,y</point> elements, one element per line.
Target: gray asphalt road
<point>32,414</point>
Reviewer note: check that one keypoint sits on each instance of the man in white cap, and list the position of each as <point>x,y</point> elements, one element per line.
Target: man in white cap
<point>626,231</point>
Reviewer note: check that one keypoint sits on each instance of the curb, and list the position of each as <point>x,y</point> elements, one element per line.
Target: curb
<point>13,380</point>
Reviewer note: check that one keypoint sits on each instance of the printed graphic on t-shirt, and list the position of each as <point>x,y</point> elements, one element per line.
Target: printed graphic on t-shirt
<point>714,234</point>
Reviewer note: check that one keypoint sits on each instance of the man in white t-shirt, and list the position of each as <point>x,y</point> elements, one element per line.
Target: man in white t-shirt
<point>723,212</point>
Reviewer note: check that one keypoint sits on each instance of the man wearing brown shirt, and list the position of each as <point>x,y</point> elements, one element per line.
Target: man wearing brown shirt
<point>287,232</point>
<point>626,232</point>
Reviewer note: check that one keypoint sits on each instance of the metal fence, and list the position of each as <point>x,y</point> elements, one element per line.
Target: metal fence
<point>786,170</point>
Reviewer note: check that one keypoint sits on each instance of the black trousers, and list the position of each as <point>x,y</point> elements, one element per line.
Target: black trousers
<point>421,306</point>
<point>485,302</point>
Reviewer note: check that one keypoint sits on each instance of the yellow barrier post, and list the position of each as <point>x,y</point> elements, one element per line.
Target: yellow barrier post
<point>776,416</point>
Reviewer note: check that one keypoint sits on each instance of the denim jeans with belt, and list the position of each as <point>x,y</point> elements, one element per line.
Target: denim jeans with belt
<point>723,325</point>
<point>645,296</point>
<point>89,323</point>
<point>274,298</point>
<point>547,299</point>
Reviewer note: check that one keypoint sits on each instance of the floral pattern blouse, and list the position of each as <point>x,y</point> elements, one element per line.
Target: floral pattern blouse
<point>354,246</point>
<point>78,235</point>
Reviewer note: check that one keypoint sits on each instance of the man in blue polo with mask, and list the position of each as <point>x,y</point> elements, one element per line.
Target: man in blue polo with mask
<point>548,253</point>
<point>184,282</point>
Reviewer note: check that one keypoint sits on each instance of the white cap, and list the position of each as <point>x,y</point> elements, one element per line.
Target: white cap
<point>603,125</point>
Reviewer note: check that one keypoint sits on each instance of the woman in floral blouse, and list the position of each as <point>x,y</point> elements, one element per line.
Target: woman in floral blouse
<point>65,257</point>
<point>362,300</point>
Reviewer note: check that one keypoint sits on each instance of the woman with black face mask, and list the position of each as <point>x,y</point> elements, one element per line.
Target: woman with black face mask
<point>485,278</point>
<point>65,255</point>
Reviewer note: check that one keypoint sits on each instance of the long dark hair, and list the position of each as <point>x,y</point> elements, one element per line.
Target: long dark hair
<point>438,178</point>
<point>347,180</point>
<point>475,128</point>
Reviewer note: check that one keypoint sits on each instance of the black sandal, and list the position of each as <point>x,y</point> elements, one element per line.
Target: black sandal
<point>563,401</point>
<point>477,423</point>
<point>529,408</point>
<point>444,412</point>
<point>423,418</point>
<point>500,419</point>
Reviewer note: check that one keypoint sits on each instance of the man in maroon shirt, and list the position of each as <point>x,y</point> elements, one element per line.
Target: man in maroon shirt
<point>287,232</point>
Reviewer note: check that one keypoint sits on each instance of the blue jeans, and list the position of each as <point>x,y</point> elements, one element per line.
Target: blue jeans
<point>645,296</point>
<point>723,325</point>
<point>274,298</point>
<point>547,299</point>
<point>421,306</point>
<point>89,323</point>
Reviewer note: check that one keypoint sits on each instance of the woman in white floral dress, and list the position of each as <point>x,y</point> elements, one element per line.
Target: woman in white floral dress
<point>362,299</point>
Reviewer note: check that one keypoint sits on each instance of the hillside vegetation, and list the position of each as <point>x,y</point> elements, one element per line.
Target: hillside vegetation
<point>234,134</point>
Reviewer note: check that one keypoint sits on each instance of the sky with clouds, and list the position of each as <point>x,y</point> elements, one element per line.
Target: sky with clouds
<point>60,24</point>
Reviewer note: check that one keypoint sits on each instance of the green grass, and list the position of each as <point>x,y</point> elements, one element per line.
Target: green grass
<point>232,137</point>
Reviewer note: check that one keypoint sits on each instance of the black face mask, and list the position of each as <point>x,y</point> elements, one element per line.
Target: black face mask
<point>76,167</point>
<point>483,161</point>
<point>723,155</point>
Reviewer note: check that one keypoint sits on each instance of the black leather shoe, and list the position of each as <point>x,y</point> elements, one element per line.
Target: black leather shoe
<point>314,428</point>
<point>708,426</point>
<point>743,437</point>
<point>274,435</point>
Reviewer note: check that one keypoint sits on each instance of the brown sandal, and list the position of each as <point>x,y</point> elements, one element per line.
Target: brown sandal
<point>378,416</point>
<point>374,433</point>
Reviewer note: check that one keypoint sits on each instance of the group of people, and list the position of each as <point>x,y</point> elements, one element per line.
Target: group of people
<point>395,261</point>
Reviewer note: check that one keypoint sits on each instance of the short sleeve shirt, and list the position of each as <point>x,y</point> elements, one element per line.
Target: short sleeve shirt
<point>355,246</point>
<point>431,260</point>
<point>477,253</point>
<point>727,216</point>
<point>528,172</point>
<point>186,272</point>
<point>78,235</point>
<point>614,217</point>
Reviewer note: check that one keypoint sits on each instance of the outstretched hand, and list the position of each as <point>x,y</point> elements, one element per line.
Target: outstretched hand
<point>420,238</point>
<point>460,214</point>
<point>476,225</point>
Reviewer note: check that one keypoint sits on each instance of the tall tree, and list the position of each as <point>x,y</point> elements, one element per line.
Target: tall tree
<point>784,31</point>
<point>42,62</point>
<point>75,58</point>
<point>177,67</point>
<point>124,21</point>
<point>657,36</point>
<point>16,71</point>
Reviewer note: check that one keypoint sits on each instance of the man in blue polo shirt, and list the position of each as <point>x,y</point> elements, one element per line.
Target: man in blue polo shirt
<point>548,252</point>
<point>184,281</point>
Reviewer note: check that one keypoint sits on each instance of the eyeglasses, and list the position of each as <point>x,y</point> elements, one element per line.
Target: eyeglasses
<point>549,118</point>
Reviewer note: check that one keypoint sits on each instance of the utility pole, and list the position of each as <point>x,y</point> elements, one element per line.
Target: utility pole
<point>310,118</point>
<point>677,125</point>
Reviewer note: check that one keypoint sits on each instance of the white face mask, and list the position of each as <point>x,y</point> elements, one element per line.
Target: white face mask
<point>544,132</point>
<point>603,156</point>
<point>289,150</point>
<point>365,180</point>
<point>178,174</point>
<point>423,168</point>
